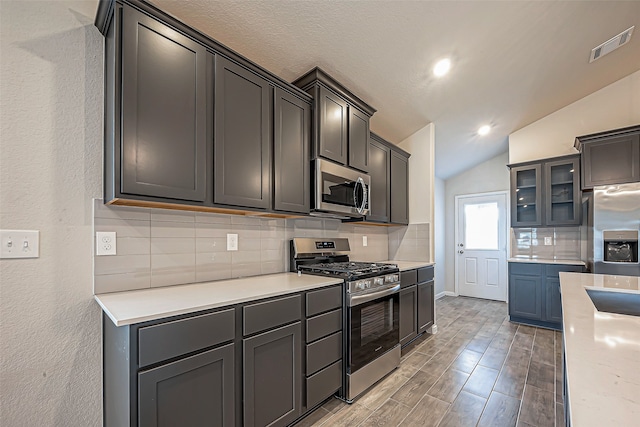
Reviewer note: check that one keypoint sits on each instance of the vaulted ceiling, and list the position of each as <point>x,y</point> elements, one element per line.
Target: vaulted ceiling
<point>514,62</point>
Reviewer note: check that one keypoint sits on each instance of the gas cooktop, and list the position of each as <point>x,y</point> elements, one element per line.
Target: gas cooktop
<point>349,269</point>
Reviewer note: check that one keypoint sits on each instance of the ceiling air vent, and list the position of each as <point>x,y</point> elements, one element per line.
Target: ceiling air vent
<point>611,44</point>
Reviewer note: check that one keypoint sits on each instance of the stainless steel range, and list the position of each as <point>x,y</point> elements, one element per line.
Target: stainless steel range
<point>371,321</point>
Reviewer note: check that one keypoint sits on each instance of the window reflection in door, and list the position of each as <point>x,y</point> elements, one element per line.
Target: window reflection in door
<point>481,226</point>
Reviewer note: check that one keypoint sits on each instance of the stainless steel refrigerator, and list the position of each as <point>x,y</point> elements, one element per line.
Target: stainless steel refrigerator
<point>614,226</point>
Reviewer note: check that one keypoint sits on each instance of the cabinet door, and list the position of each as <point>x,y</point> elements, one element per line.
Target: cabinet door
<point>425,305</point>
<point>553,306</point>
<point>380,177</point>
<point>525,296</point>
<point>164,111</point>
<point>197,390</point>
<point>358,139</point>
<point>562,192</point>
<point>242,137</point>
<point>611,161</point>
<point>273,377</point>
<point>292,127</point>
<point>399,188</point>
<point>408,314</point>
<point>526,199</point>
<point>332,132</point>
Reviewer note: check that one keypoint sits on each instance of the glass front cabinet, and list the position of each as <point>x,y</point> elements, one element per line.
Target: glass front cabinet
<point>546,192</point>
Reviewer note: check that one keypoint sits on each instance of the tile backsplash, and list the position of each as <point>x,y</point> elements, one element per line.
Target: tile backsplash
<point>158,247</point>
<point>565,243</point>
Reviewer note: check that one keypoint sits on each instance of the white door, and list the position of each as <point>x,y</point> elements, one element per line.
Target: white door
<point>481,246</point>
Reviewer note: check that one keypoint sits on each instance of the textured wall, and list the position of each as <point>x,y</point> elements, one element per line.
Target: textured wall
<point>491,175</point>
<point>614,106</point>
<point>50,169</point>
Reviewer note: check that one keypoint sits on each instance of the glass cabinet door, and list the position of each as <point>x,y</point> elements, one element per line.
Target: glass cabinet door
<point>526,197</point>
<point>562,192</point>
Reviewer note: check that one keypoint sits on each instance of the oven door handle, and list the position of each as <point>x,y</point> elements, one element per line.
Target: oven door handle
<point>361,299</point>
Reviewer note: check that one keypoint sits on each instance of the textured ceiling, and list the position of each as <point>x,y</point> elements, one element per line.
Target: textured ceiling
<point>513,62</point>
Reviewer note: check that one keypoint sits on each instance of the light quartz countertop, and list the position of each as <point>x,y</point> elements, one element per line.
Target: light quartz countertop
<point>409,265</point>
<point>126,308</point>
<point>548,261</point>
<point>602,353</point>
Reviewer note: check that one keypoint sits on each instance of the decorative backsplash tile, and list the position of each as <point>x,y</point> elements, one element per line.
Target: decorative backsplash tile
<point>158,247</point>
<point>566,243</point>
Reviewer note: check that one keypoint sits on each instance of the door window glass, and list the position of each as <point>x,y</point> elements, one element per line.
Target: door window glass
<point>481,226</point>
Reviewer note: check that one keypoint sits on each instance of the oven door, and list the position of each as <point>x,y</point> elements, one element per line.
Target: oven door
<point>373,326</point>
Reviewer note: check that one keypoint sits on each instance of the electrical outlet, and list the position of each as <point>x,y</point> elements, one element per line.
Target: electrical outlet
<point>547,241</point>
<point>20,244</point>
<point>105,243</point>
<point>232,242</point>
<point>365,241</point>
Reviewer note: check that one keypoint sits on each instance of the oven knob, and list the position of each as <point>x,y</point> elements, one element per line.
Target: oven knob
<point>360,285</point>
<point>378,281</point>
<point>368,284</point>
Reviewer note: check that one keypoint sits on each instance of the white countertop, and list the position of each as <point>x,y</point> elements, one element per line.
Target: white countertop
<point>548,261</point>
<point>602,353</point>
<point>126,308</point>
<point>409,265</point>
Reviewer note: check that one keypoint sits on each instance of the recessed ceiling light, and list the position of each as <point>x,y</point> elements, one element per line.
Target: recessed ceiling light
<point>442,67</point>
<point>484,130</point>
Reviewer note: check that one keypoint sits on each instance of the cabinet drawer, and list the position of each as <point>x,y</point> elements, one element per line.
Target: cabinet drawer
<point>324,324</point>
<point>425,274</point>
<point>408,278</point>
<point>269,314</point>
<point>167,340</point>
<point>324,300</point>
<point>323,352</point>
<point>554,270</point>
<point>324,384</point>
<point>525,269</point>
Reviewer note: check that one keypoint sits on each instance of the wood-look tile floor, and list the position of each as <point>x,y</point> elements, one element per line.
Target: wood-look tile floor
<point>478,370</point>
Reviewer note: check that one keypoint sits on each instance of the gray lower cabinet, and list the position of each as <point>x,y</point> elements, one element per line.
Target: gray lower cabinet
<point>292,129</point>
<point>408,314</point>
<point>242,136</point>
<point>156,129</point>
<point>417,303</point>
<point>272,377</point>
<point>611,157</point>
<point>534,293</point>
<point>399,196</point>
<point>194,391</point>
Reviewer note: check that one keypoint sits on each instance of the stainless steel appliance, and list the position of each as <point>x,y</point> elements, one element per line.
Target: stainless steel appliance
<point>339,191</point>
<point>371,309</point>
<point>616,224</point>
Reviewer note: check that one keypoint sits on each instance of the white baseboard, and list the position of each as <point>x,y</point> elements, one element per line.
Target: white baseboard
<point>446,294</point>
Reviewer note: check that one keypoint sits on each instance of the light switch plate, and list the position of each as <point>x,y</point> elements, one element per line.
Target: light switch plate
<point>365,241</point>
<point>20,244</point>
<point>105,243</point>
<point>232,242</point>
<point>547,241</point>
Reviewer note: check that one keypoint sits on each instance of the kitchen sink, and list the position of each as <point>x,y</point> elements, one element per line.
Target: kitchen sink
<point>615,302</point>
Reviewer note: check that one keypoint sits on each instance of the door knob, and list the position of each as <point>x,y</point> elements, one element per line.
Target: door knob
<point>460,244</point>
<point>460,252</point>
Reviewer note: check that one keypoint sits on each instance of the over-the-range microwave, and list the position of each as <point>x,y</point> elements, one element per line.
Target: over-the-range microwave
<point>339,191</point>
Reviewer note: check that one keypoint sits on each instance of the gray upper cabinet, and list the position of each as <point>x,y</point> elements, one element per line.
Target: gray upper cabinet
<point>526,198</point>
<point>546,193</point>
<point>379,160</point>
<point>611,157</point>
<point>163,136</point>
<point>332,131</point>
<point>562,194</point>
<point>341,121</point>
<point>292,129</point>
<point>399,196</point>
<point>358,139</point>
<point>242,136</point>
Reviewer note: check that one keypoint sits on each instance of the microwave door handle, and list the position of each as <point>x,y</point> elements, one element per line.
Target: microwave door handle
<point>360,208</point>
